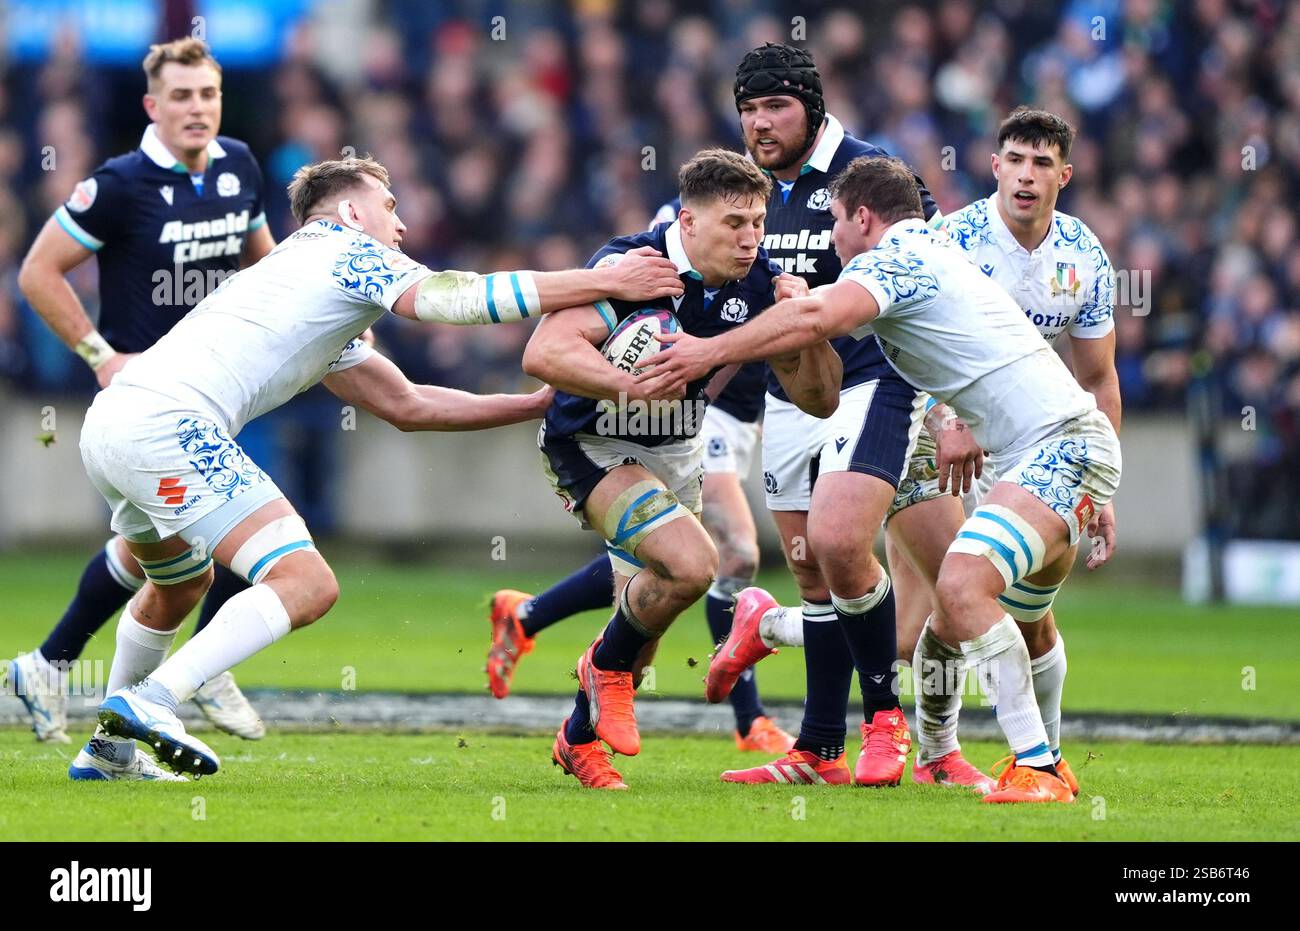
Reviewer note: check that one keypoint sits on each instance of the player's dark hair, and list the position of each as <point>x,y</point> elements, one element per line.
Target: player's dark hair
<point>314,185</point>
<point>1037,127</point>
<point>721,173</point>
<point>772,69</point>
<point>187,51</point>
<point>885,186</point>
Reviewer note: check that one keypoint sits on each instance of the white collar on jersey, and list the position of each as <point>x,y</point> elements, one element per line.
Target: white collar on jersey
<point>820,160</point>
<point>1002,234</point>
<point>677,252</point>
<point>159,154</point>
<point>910,225</point>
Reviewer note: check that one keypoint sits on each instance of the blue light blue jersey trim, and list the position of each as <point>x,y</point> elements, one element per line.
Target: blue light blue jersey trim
<point>73,229</point>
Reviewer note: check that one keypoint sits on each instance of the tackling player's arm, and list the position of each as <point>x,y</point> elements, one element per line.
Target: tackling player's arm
<point>811,378</point>
<point>790,326</point>
<point>378,386</point>
<point>43,282</point>
<point>562,352</point>
<point>502,297</point>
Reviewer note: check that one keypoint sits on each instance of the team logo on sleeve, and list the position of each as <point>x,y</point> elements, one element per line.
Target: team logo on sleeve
<point>820,199</point>
<point>735,310</point>
<point>83,195</point>
<point>1066,281</point>
<point>227,184</point>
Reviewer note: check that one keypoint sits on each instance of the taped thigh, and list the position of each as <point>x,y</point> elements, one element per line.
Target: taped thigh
<point>1028,603</point>
<point>269,545</point>
<point>1003,537</point>
<point>174,570</point>
<point>640,510</point>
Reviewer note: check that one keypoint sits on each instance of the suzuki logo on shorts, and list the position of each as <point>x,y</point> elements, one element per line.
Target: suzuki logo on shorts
<point>172,491</point>
<point>1084,511</point>
<point>735,310</point>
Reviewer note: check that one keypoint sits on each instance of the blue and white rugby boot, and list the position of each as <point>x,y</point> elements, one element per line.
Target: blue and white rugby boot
<point>40,688</point>
<point>131,712</point>
<point>98,761</point>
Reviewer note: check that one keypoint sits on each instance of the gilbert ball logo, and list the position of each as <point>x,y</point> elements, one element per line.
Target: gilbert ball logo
<point>820,199</point>
<point>103,884</point>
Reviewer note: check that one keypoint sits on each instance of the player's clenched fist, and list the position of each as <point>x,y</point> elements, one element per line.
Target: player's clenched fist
<point>788,286</point>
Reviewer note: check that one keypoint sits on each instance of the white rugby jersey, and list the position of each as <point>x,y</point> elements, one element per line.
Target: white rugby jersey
<point>951,331</point>
<point>277,328</point>
<point>1066,284</point>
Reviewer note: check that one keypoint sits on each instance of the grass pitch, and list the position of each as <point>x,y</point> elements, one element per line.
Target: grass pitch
<point>476,787</point>
<point>424,629</point>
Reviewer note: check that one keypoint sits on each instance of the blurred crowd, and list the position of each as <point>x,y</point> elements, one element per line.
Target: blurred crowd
<point>521,134</point>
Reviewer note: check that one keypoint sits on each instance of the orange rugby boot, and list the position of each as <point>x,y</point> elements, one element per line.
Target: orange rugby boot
<point>952,769</point>
<point>743,646</point>
<point>610,695</point>
<point>509,643</point>
<point>885,742</point>
<point>765,737</point>
<point>1067,775</point>
<point>588,762</point>
<point>1023,784</point>
<point>798,767</point>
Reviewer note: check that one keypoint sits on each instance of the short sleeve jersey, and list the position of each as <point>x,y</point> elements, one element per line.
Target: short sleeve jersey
<point>163,239</point>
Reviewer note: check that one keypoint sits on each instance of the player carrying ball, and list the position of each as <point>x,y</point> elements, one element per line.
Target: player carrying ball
<point>641,493</point>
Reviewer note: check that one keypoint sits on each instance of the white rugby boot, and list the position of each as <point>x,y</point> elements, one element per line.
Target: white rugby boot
<point>96,762</point>
<point>39,686</point>
<point>225,706</point>
<point>131,713</point>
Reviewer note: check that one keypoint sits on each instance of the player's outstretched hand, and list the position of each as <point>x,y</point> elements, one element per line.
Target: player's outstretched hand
<point>788,286</point>
<point>959,455</point>
<point>104,374</point>
<point>683,359</point>
<point>643,274</point>
<point>1101,531</point>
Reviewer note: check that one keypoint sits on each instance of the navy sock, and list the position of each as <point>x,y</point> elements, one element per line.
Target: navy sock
<point>620,645</point>
<point>99,596</point>
<point>589,588</point>
<point>225,585</point>
<point>578,730</point>
<point>873,642</point>
<point>744,695</point>
<point>829,670</point>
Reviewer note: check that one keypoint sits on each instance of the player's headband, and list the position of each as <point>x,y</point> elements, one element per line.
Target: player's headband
<point>773,70</point>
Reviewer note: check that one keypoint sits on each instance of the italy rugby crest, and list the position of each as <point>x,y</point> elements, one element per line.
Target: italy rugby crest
<point>1066,280</point>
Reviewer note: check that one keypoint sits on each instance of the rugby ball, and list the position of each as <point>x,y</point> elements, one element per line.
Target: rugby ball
<point>636,339</point>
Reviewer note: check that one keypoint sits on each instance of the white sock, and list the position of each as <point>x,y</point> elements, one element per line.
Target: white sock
<point>782,627</point>
<point>247,623</point>
<point>938,680</point>
<point>1049,681</point>
<point>1002,661</point>
<point>140,650</point>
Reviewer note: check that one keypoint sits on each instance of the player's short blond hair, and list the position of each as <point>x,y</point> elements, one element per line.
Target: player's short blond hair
<point>316,184</point>
<point>187,51</point>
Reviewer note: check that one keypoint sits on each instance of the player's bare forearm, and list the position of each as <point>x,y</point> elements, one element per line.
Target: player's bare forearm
<point>42,281</point>
<point>562,353</point>
<point>1094,368</point>
<point>1108,399</point>
<point>379,387</point>
<point>447,409</point>
<point>812,379</point>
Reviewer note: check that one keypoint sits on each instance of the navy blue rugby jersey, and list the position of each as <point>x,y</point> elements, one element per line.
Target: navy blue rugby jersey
<point>164,239</point>
<point>742,396</point>
<point>797,235</point>
<point>701,311</point>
